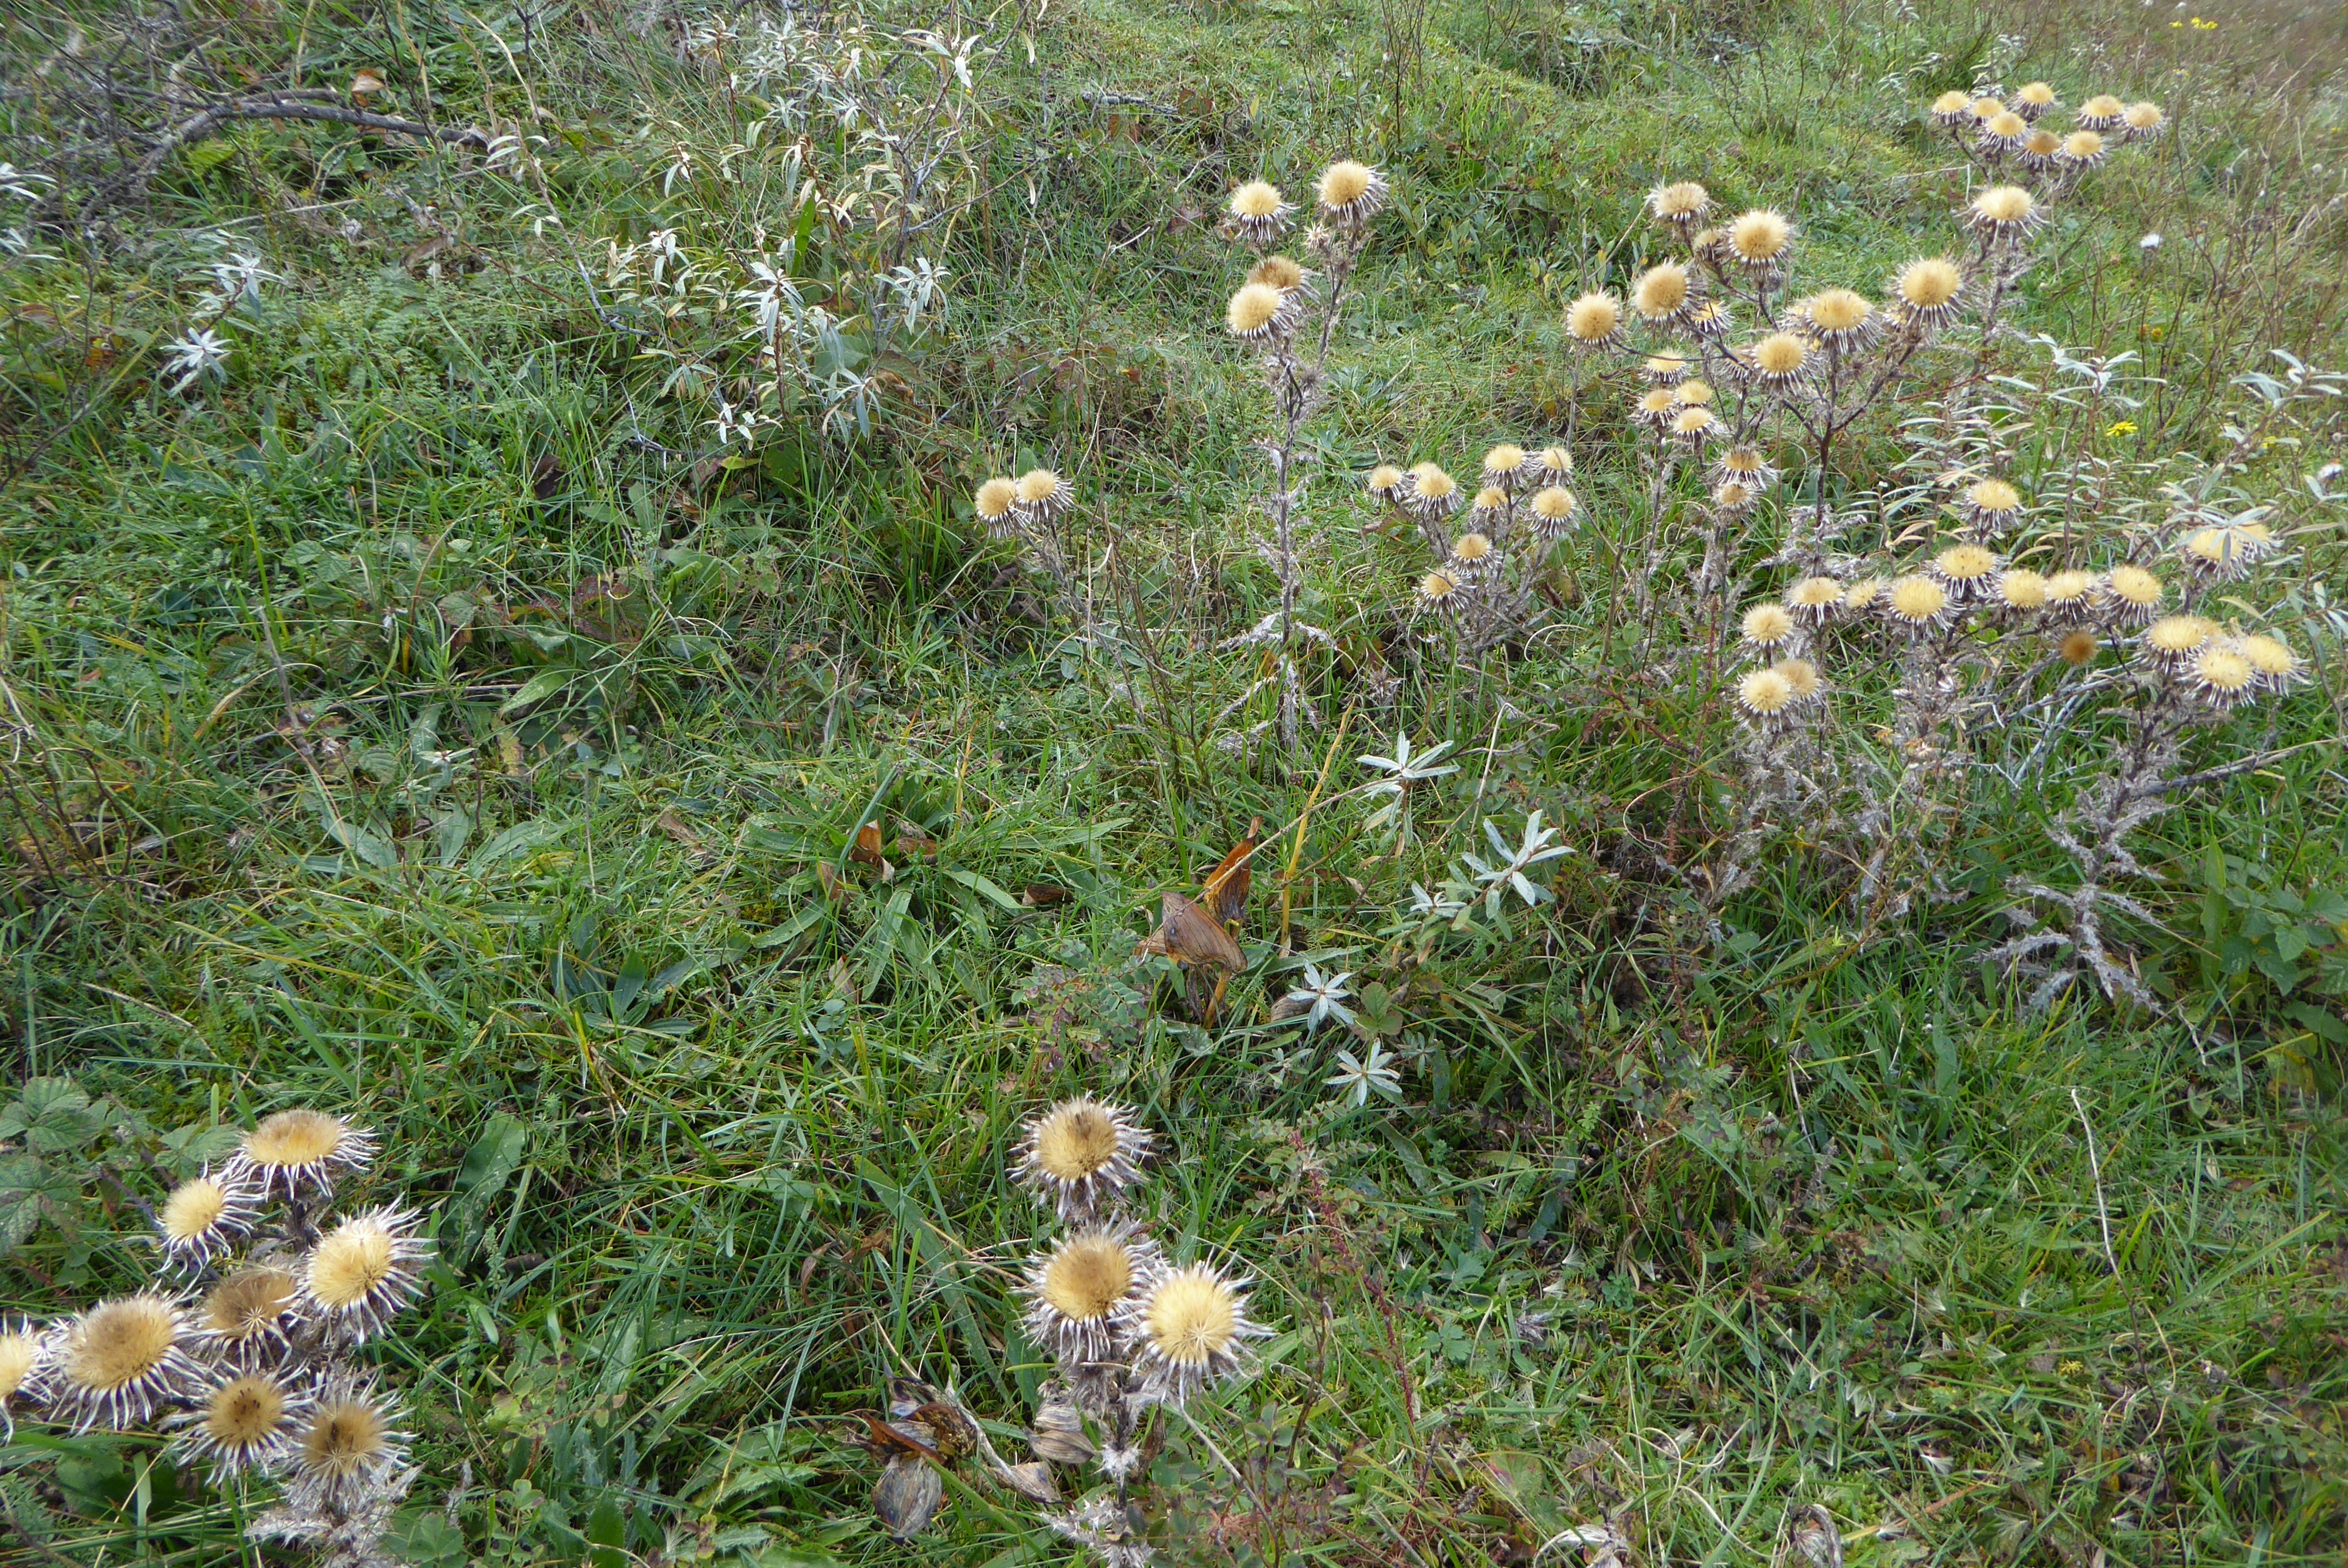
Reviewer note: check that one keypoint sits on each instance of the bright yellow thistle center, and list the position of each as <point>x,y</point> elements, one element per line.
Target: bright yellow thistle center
<point>18,1354</point>
<point>295,1138</point>
<point>2267,655</point>
<point>1767,623</point>
<point>1554,505</point>
<point>2023,589</point>
<point>1037,485</point>
<point>1472,548</point>
<point>1917,599</point>
<point>2143,117</point>
<point>1841,311</point>
<point>2102,106</point>
<point>1251,309</point>
<point>1075,1142</point>
<point>1765,691</point>
<point>194,1209</point>
<point>1661,290</point>
<point>1682,198</point>
<point>1278,270</point>
<point>1693,421</point>
<point>1256,199</point>
<point>1592,318</point>
<point>1692,394</point>
<point>1343,183</point>
<point>1950,103</point>
<point>244,1411</point>
<point>2179,633</point>
<point>1993,495</point>
<point>1385,477</point>
<point>1780,354</point>
<point>2223,669</point>
<point>1816,593</point>
<point>1964,563</point>
<point>1759,235</point>
<point>1930,283</point>
<point>120,1343</point>
<point>2037,95</point>
<point>1433,482</point>
<point>2134,586</point>
<point>2069,587</point>
<point>2006,125</point>
<point>351,1264</point>
<point>1087,1277</point>
<point>2084,144</point>
<point>2004,204</point>
<point>995,499</point>
<point>1505,458</point>
<point>1193,1318</point>
<point>1800,675</point>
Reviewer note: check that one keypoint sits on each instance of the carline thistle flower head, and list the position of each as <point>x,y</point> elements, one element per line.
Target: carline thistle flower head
<point>1926,294</point>
<point>117,1362</point>
<point>362,1273</point>
<point>1189,1330</point>
<point>1350,194</point>
<point>1257,213</point>
<point>246,1422</point>
<point>997,504</point>
<point>301,1152</point>
<point>1080,1156</point>
<point>203,1217</point>
<point>1075,1291</point>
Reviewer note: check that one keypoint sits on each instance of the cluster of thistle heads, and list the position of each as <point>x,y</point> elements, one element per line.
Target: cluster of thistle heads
<point>1995,128</point>
<point>1520,509</point>
<point>1268,308</point>
<point>1127,1327</point>
<point>1969,585</point>
<point>242,1346</point>
<point>1024,508</point>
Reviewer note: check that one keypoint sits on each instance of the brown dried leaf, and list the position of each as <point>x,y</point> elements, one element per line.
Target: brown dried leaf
<point>1227,884</point>
<point>1043,894</point>
<point>907,1497</point>
<point>1193,936</point>
<point>1033,1480</point>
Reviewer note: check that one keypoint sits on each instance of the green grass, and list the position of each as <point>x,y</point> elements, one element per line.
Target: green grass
<point>1676,1230</point>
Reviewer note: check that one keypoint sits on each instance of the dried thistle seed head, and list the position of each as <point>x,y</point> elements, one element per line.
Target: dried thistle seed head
<point>1434,494</point>
<point>1081,1156</point>
<point>1863,593</point>
<point>1257,213</point>
<point>1471,557</point>
<point>1734,498</point>
<point>243,1317</point>
<point>1759,239</point>
<point>1665,369</point>
<point>1692,426</point>
<point>2022,591</point>
<point>1765,694</point>
<point>1656,406</point>
<point>2141,121</point>
<point>1553,465</point>
<point>1815,598</point>
<point>2072,590</point>
<point>1505,466</point>
<point>1682,204</point>
<point>121,1359</point>
<point>2170,644</point>
<point>1801,678</point>
<point>2033,99</point>
<point>2003,132</point>
<point>1780,360</point>
<point>1992,505</point>
<point>1767,626</point>
<point>1279,271</point>
<point>23,1357</point>
<point>1662,293</point>
<point>1743,466</point>
<point>1952,110</point>
<point>2082,149</point>
<point>1075,1290</point>
<point>301,1150</point>
<point>1043,495</point>
<point>204,1217</point>
<point>1842,320</point>
<point>349,1442</point>
<point>1711,321</point>
<point>2272,660</point>
<point>997,504</point>
<point>1490,508</point>
<point>2225,551</point>
<point>2103,112</point>
<point>1916,603</point>
<point>2222,677</point>
<point>1191,1329</point>
<point>1387,483</point>
<point>1349,193</point>
<point>2040,150</point>
<point>1438,591</point>
<point>2003,213</point>
<point>1927,292</point>
<point>1984,104</point>
<point>1259,314</point>
<point>1594,320</point>
<point>1969,572</point>
<point>2078,646</point>
<point>247,1422</point>
<point>1692,394</point>
<point>2133,594</point>
<point>1554,510</point>
<point>362,1272</point>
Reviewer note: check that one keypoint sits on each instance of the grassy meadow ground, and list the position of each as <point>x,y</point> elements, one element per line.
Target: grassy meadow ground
<point>420,719</point>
